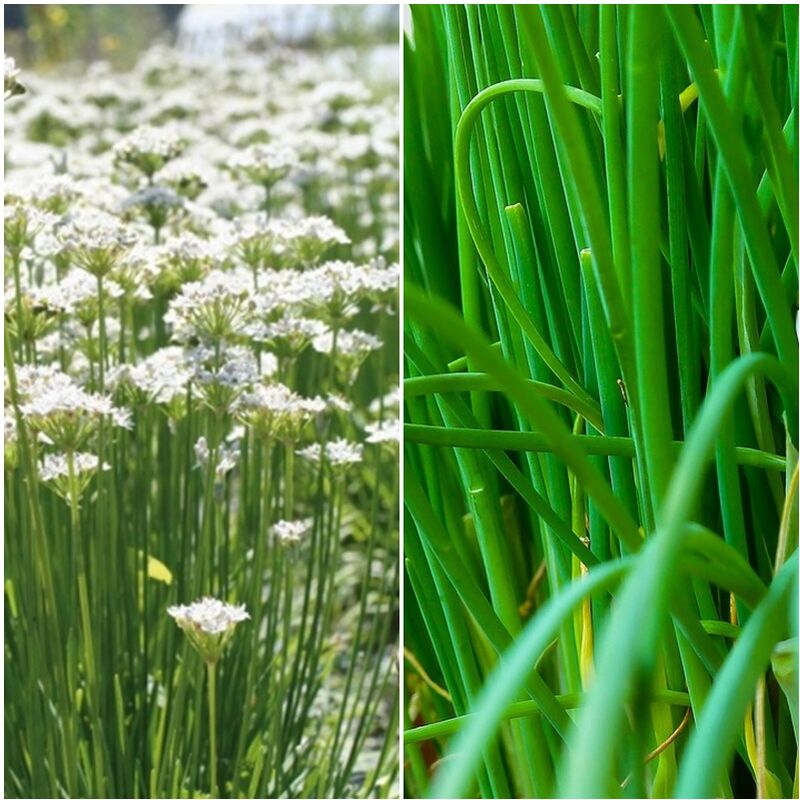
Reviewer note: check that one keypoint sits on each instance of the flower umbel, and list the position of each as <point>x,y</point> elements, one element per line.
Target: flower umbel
<point>11,86</point>
<point>291,532</point>
<point>209,623</point>
<point>55,472</point>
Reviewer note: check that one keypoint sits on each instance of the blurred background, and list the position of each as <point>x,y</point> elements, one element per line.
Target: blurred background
<point>48,35</point>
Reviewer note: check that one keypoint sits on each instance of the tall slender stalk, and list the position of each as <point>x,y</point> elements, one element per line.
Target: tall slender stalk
<point>211,678</point>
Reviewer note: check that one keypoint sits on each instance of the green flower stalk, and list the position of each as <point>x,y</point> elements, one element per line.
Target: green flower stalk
<point>209,624</point>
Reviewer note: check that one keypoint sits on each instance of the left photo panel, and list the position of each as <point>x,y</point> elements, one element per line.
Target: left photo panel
<point>201,352</point>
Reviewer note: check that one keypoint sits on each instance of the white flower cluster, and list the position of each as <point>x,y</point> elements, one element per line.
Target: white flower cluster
<point>149,148</point>
<point>216,308</point>
<point>56,465</point>
<point>274,411</point>
<point>355,344</point>
<point>70,400</point>
<point>289,334</point>
<point>389,431</point>
<point>187,176</point>
<point>291,533</point>
<point>208,615</point>
<point>209,623</point>
<point>226,460</point>
<point>201,263</point>
<point>339,453</point>
<point>11,85</point>
<point>69,480</point>
<point>95,240</point>
<point>63,413</point>
<point>162,377</point>
<point>265,164</point>
<point>390,401</point>
<point>51,193</point>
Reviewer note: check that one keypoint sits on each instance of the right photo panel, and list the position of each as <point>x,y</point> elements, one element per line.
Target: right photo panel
<point>600,401</point>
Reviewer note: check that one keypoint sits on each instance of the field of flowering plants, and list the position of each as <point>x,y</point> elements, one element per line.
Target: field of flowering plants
<point>201,404</point>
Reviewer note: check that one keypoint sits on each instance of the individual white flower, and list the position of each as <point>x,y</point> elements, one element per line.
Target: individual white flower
<point>227,459</point>
<point>201,452</point>
<point>209,623</point>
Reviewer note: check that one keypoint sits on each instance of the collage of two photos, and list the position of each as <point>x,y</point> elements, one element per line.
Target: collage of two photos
<point>283,522</point>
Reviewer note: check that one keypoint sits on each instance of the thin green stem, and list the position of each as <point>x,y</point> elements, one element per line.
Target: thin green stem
<point>537,442</point>
<point>211,671</point>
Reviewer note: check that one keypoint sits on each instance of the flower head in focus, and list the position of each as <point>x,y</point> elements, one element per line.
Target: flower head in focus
<point>95,240</point>
<point>215,309</point>
<point>209,623</point>
<point>62,412</point>
<point>57,473</point>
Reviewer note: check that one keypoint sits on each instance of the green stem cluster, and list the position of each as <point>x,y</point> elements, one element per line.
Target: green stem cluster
<point>601,275</point>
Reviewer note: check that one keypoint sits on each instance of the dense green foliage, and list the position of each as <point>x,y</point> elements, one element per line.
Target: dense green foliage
<point>601,207</point>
